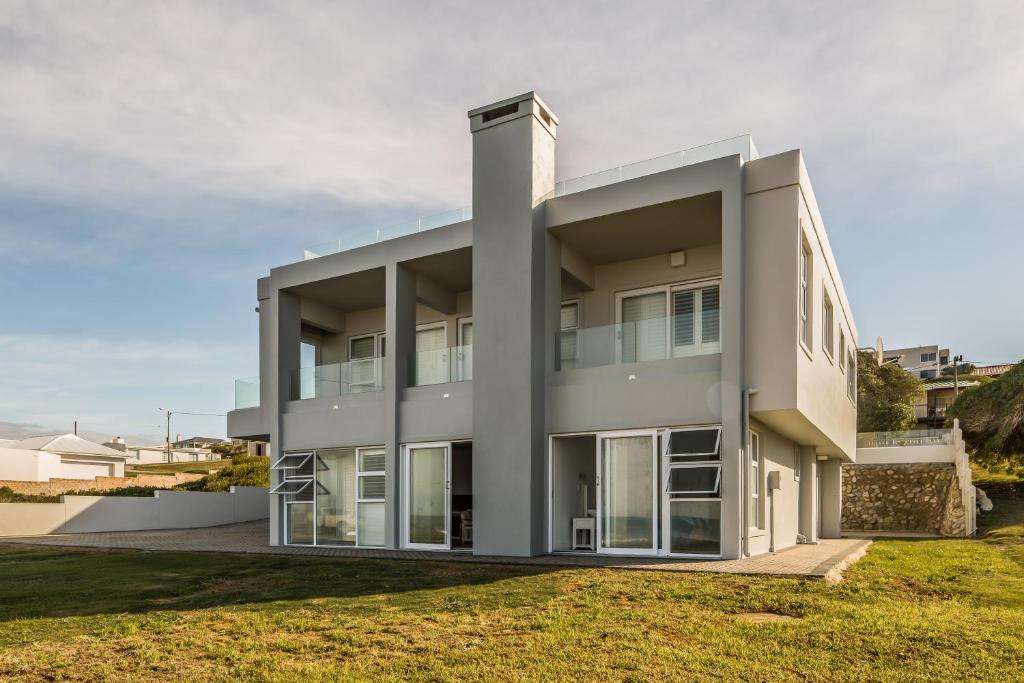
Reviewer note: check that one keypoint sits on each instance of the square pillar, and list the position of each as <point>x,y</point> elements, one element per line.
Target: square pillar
<point>831,503</point>
<point>400,332</point>
<point>808,513</point>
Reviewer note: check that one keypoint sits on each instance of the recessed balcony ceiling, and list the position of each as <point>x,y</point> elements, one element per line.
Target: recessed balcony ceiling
<point>351,292</point>
<point>646,231</point>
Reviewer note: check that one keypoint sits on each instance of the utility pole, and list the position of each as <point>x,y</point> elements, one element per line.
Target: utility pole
<point>956,378</point>
<point>168,414</point>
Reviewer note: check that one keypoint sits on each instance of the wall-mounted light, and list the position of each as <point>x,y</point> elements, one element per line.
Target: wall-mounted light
<point>631,378</point>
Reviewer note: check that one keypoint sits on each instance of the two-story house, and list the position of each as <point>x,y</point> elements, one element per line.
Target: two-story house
<point>653,360</point>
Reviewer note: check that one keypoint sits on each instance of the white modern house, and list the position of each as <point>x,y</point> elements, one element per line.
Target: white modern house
<point>654,360</point>
<point>63,456</point>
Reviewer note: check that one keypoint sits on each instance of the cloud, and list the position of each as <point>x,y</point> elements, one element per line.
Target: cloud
<point>364,103</point>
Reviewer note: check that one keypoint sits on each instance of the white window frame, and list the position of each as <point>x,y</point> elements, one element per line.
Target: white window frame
<point>375,359</point>
<point>579,312</point>
<point>368,473</point>
<point>806,296</point>
<point>851,379</point>
<point>756,479</point>
<point>717,489</point>
<point>667,498</point>
<point>828,323</point>
<point>698,285</point>
<point>842,349</point>
<point>406,491</point>
<point>718,442</point>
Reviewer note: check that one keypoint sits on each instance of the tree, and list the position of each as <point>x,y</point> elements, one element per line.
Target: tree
<point>962,370</point>
<point>992,417</point>
<point>885,395</point>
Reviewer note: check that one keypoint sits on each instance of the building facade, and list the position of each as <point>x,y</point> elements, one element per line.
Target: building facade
<point>654,360</point>
<point>924,362</point>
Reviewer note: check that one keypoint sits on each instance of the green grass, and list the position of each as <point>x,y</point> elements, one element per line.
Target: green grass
<point>911,610</point>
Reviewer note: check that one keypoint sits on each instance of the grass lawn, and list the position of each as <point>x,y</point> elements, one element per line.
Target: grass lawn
<point>910,610</point>
<point>202,467</point>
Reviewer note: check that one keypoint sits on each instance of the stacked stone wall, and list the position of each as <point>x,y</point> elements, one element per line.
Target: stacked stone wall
<point>915,497</point>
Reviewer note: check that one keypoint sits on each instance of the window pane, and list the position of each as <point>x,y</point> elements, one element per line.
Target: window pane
<point>300,522</point>
<point>695,527</point>
<point>307,355</point>
<point>371,487</point>
<point>702,481</point>
<point>364,347</point>
<point>570,316</point>
<point>371,523</point>
<point>569,349</point>
<point>703,442</point>
<point>335,499</point>
<point>427,495</point>
<point>683,330</point>
<point>627,492</point>
<point>709,314</point>
<point>371,460</point>
<point>644,327</point>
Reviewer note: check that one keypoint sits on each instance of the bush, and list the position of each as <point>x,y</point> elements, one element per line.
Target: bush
<point>247,471</point>
<point>7,495</point>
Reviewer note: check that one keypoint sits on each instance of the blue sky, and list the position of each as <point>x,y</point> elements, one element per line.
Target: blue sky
<point>155,159</point>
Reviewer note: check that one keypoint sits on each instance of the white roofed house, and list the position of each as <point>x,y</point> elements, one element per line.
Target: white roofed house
<point>62,456</point>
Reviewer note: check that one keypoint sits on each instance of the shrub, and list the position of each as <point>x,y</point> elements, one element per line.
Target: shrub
<point>247,471</point>
<point>7,495</point>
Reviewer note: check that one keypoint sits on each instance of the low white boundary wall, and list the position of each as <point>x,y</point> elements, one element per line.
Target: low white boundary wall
<point>165,510</point>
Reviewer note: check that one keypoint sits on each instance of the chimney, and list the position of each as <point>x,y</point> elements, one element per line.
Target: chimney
<point>515,299</point>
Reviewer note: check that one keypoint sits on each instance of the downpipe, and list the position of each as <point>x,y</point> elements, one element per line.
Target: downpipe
<point>745,503</point>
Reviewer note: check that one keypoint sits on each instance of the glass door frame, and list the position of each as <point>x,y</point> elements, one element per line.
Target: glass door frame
<point>599,548</point>
<point>461,356</point>
<point>405,506</point>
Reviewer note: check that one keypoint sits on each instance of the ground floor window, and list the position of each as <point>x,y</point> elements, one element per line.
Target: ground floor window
<point>332,496</point>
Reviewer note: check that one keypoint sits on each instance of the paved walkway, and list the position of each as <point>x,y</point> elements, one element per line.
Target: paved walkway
<point>825,560</point>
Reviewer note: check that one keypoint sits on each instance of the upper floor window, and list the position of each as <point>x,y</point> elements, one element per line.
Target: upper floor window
<point>827,323</point>
<point>805,293</point>
<point>851,377</point>
<point>927,357</point>
<point>569,334</point>
<point>669,322</point>
<point>842,349</point>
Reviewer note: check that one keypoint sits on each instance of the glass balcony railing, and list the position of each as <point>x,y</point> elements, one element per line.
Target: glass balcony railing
<point>422,224</point>
<point>247,392</point>
<point>441,366</point>
<point>917,437</point>
<point>338,379</point>
<point>741,144</point>
<point>661,338</point>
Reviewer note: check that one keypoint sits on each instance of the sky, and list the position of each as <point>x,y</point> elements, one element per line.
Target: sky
<point>157,158</point>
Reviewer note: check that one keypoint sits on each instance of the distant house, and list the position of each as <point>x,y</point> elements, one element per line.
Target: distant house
<point>148,455</point>
<point>938,395</point>
<point>992,370</point>
<point>199,442</point>
<point>924,362</point>
<point>62,456</point>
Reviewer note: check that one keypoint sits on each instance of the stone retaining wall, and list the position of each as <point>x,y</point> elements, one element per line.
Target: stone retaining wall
<point>57,486</point>
<point>918,497</point>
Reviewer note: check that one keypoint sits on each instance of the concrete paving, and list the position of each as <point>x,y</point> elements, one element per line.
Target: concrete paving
<point>825,560</point>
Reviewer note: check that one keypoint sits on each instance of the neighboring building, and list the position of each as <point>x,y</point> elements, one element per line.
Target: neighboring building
<point>199,442</point>
<point>253,448</point>
<point>992,370</point>
<point>566,366</point>
<point>64,456</point>
<point>924,362</point>
<point>937,397</point>
<point>149,455</point>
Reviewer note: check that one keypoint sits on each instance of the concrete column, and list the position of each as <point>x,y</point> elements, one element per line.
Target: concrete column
<point>400,330</point>
<point>285,323</point>
<point>513,172</point>
<point>733,376</point>
<point>808,521</point>
<point>831,502</point>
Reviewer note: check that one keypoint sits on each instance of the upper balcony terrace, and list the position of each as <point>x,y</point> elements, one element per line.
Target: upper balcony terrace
<point>742,145</point>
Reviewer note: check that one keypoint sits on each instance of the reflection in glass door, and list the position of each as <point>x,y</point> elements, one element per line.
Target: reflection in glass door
<point>426,475</point>
<point>627,497</point>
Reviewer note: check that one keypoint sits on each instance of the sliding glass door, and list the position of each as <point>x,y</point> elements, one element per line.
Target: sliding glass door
<point>426,475</point>
<point>627,493</point>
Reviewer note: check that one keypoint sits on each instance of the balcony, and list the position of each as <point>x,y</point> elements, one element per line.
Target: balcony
<point>247,393</point>
<point>917,437</point>
<point>338,379</point>
<point>742,145</point>
<point>658,338</point>
<point>441,366</point>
